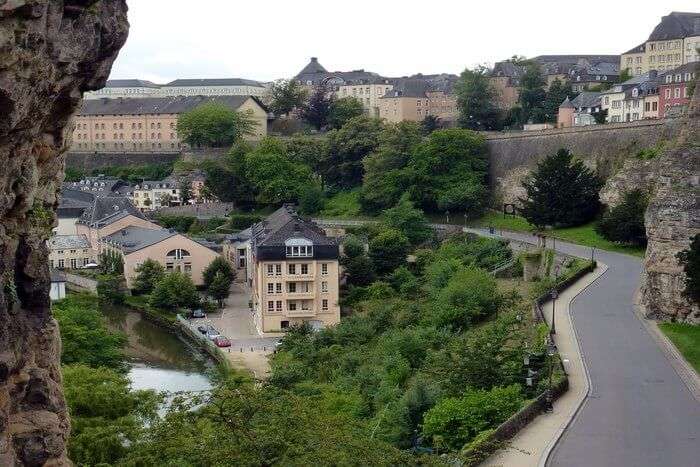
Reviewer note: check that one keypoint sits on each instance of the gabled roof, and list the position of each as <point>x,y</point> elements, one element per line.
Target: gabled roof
<point>586,99</point>
<point>676,25</point>
<point>408,88</point>
<point>67,242</point>
<point>130,83</point>
<point>158,105</point>
<point>507,69</point>
<point>99,186</point>
<point>213,82</point>
<point>566,104</point>
<point>108,209</point>
<point>73,203</point>
<point>134,238</point>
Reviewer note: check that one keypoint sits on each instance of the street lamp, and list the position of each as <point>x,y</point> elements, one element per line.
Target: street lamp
<point>554,295</point>
<point>551,351</point>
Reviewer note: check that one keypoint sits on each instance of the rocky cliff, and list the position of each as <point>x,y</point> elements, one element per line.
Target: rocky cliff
<point>51,51</point>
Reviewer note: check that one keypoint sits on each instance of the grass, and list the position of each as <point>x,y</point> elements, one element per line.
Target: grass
<point>583,235</point>
<point>343,205</point>
<point>686,338</point>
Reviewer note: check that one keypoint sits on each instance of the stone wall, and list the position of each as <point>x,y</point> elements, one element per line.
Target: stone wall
<point>603,147</point>
<point>89,161</point>
<point>51,51</point>
<point>200,211</point>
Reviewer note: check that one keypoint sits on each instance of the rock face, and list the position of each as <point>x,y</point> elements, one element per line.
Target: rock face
<point>672,218</point>
<point>50,52</point>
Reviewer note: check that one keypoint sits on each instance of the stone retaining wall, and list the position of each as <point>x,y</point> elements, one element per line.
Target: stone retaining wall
<point>83,283</point>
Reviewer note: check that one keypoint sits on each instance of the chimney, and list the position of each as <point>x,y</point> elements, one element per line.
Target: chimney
<point>314,59</point>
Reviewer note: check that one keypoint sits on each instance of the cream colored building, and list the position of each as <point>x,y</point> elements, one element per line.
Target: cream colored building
<point>150,195</point>
<point>414,100</point>
<point>174,251</point>
<point>149,124</point>
<point>368,94</point>
<point>69,251</point>
<point>292,269</point>
<point>672,43</point>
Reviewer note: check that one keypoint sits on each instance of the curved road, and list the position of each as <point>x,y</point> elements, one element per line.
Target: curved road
<point>638,411</point>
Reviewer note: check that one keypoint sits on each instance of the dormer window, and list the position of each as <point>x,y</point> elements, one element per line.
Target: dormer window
<point>669,78</point>
<point>178,253</point>
<point>299,248</point>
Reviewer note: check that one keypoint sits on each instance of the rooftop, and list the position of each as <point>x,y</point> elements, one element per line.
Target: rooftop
<point>67,242</point>
<point>212,82</point>
<point>134,238</point>
<point>284,224</point>
<point>108,209</point>
<point>586,99</point>
<point>676,25</point>
<point>158,105</point>
<point>636,50</point>
<point>130,83</point>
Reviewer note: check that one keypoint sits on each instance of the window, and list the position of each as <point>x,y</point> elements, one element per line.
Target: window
<point>292,287</point>
<point>269,269</point>
<point>292,269</point>
<point>324,304</point>
<point>278,287</point>
<point>61,263</point>
<point>647,106</point>
<point>292,306</point>
<point>73,263</point>
<point>284,324</point>
<point>51,263</point>
<point>178,253</point>
<point>304,269</point>
<point>85,261</point>
<point>324,269</point>
<point>324,286</point>
<point>667,93</point>
<point>607,100</point>
<point>299,247</point>
<point>270,288</point>
<point>278,269</point>
<point>677,93</point>
<point>304,304</point>
<point>654,106</point>
<point>278,305</point>
<point>270,305</point>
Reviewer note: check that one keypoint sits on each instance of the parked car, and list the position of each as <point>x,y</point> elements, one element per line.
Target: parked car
<point>198,313</point>
<point>222,341</point>
<point>202,329</point>
<point>212,332</point>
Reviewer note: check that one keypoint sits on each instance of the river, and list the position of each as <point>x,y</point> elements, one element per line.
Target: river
<point>158,359</point>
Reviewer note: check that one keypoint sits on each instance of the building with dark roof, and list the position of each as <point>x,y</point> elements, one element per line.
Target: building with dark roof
<point>673,42</point>
<point>174,251</point>
<point>673,89</point>
<point>116,88</point>
<point>150,124</point>
<point>69,251</point>
<point>292,268</point>
<point>213,87</point>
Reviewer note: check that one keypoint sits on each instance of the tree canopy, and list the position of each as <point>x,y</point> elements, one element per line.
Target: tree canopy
<point>214,125</point>
<point>624,223</point>
<point>532,94</point>
<point>344,109</point>
<point>318,106</point>
<point>175,290</point>
<point>476,100</point>
<point>147,275</point>
<point>561,191</point>
<point>286,95</point>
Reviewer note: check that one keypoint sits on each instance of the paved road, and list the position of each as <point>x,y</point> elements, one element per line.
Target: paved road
<point>638,412</point>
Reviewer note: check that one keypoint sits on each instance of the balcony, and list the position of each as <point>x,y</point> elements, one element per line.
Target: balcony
<point>299,313</point>
<point>301,295</point>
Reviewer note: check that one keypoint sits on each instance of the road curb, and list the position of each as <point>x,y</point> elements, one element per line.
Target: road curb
<point>549,449</point>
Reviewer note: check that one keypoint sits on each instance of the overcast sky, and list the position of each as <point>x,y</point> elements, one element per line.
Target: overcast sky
<point>266,40</point>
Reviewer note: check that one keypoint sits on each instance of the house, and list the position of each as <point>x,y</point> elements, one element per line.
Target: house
<point>58,285</point>
<point>106,215</point>
<point>626,102</point>
<point>418,97</point>
<point>154,194</point>
<point>673,85</point>
<point>505,80</point>
<point>71,205</point>
<point>292,269</point>
<point>176,252</point>
<point>69,251</point>
<point>149,124</point>
<point>366,90</point>
<point>601,74</point>
<point>580,111</point>
<point>673,42</point>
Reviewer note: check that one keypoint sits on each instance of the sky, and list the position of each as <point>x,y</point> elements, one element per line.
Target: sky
<point>272,39</point>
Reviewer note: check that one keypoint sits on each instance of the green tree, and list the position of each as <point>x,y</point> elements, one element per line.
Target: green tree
<point>344,109</point>
<point>470,295</point>
<point>218,265</point>
<point>690,260</point>
<point>106,416</point>
<point>388,250</point>
<point>408,220</point>
<point>356,264</point>
<point>84,336</point>
<point>601,116</point>
<point>276,178</point>
<point>109,288</point>
<point>220,288</point>
<point>318,106</point>
<point>429,124</point>
<point>307,150</point>
<point>175,290</point>
<point>285,96</point>
<point>532,94</point>
<point>214,125</point>
<point>227,180</point>
<point>561,192</point>
<point>311,200</point>
<point>625,75</point>
<point>624,223</point>
<point>454,422</point>
<point>476,100</point>
<point>111,262</point>
<point>147,275</point>
<point>347,147</point>
<point>185,190</point>
<point>556,94</point>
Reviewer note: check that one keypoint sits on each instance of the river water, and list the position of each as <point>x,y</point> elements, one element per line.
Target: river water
<point>159,360</point>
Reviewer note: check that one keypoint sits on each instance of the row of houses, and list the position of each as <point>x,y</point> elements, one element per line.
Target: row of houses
<point>289,264</point>
<point>647,96</point>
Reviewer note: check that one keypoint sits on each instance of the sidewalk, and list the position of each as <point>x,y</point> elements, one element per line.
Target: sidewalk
<point>533,443</point>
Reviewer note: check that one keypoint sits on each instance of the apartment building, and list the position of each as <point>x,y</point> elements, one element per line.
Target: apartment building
<point>673,94</point>
<point>154,194</point>
<point>69,251</point>
<point>415,99</point>
<point>627,102</point>
<point>136,88</point>
<point>673,42</point>
<point>149,124</point>
<point>292,269</point>
<point>368,92</point>
<point>174,251</point>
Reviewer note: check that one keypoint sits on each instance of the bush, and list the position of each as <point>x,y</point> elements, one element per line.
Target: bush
<point>243,221</point>
<point>470,295</point>
<point>388,250</point>
<point>181,224</point>
<point>175,290</point>
<point>311,200</point>
<point>109,288</point>
<point>148,275</point>
<point>455,422</point>
<point>624,223</point>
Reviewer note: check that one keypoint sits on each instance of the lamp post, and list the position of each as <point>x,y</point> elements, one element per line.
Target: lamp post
<point>553,329</point>
<point>551,351</point>
<point>447,215</point>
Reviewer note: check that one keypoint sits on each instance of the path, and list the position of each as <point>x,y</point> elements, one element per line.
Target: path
<point>638,411</point>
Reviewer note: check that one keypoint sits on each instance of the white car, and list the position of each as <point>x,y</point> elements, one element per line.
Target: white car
<point>212,333</point>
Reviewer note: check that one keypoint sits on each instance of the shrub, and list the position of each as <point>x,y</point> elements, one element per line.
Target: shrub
<point>175,290</point>
<point>148,275</point>
<point>470,295</point>
<point>109,288</point>
<point>388,250</point>
<point>624,223</point>
<point>455,422</point>
<point>243,221</point>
